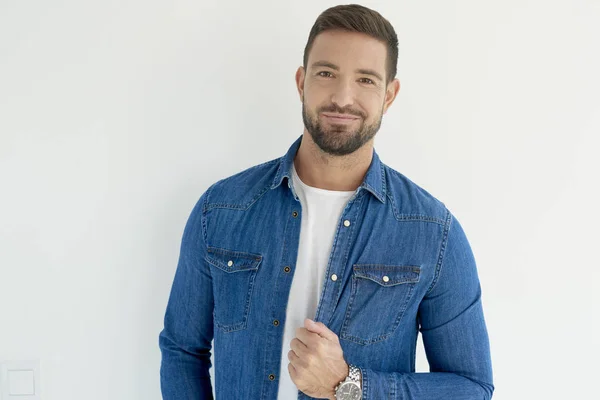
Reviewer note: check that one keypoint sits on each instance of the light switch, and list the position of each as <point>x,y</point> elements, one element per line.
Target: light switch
<point>21,383</point>
<point>20,380</point>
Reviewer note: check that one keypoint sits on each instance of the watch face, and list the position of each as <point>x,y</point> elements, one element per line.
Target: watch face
<point>349,391</point>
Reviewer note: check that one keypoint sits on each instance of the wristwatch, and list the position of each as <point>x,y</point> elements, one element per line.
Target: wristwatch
<point>350,388</point>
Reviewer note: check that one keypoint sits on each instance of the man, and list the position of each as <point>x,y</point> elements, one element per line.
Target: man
<point>314,272</point>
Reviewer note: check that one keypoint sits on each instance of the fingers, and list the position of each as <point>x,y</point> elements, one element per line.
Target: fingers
<point>292,371</point>
<point>293,357</point>
<point>298,347</point>
<point>310,343</point>
<point>320,329</point>
<point>306,336</point>
<point>300,362</point>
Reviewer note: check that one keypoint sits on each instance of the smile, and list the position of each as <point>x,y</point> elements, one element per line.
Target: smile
<point>339,118</point>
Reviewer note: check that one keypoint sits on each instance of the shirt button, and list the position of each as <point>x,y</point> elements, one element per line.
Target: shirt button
<point>346,223</point>
<point>295,214</point>
<point>276,322</point>
<point>272,377</point>
<point>229,263</point>
<point>386,279</point>
<point>334,277</point>
<point>287,269</point>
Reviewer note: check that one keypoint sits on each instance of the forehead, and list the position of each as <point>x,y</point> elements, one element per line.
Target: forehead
<point>348,48</point>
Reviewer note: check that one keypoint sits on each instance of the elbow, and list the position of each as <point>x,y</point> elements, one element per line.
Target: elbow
<point>489,391</point>
<point>486,390</point>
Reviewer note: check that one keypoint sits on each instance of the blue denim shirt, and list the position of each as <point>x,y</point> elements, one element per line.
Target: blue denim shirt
<point>403,263</point>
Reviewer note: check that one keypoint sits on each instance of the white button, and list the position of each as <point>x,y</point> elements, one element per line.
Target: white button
<point>346,223</point>
<point>334,277</point>
<point>229,263</point>
<point>386,279</point>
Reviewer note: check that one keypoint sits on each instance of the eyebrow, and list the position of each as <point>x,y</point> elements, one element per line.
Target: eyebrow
<point>335,67</point>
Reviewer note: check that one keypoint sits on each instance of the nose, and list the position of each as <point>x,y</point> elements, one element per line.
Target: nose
<point>343,94</point>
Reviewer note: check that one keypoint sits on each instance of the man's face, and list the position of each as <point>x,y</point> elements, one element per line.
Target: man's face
<point>343,90</point>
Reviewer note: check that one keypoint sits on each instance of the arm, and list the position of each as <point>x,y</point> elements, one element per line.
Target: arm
<point>185,341</point>
<point>454,336</point>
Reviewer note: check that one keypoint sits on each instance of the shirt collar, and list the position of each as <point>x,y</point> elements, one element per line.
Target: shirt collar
<point>374,180</point>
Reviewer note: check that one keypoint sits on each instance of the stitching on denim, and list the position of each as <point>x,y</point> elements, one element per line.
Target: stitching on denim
<point>210,205</point>
<point>203,216</point>
<point>278,175</point>
<point>413,350</point>
<point>365,382</point>
<point>242,207</point>
<point>363,273</point>
<point>413,217</point>
<point>243,323</point>
<point>390,283</point>
<point>348,308</point>
<point>253,263</point>
<point>249,297</point>
<point>443,246</point>
<point>204,229</point>
<point>254,259</point>
<point>410,217</point>
<point>380,338</point>
<point>266,384</point>
<point>235,253</point>
<point>383,182</point>
<point>283,252</point>
<point>412,268</point>
<point>383,336</point>
<point>359,199</point>
<point>230,328</point>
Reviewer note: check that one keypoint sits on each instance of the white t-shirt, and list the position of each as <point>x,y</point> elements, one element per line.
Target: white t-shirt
<point>321,211</point>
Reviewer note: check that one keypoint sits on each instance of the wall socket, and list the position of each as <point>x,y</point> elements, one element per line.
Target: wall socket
<point>20,380</point>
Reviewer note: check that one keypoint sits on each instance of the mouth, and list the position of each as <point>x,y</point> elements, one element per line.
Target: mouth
<point>339,118</point>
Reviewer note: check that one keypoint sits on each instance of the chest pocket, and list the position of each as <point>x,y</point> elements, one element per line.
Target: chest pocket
<point>233,274</point>
<point>378,299</point>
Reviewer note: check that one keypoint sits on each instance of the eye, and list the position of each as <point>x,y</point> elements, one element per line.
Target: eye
<point>369,81</point>
<point>323,72</point>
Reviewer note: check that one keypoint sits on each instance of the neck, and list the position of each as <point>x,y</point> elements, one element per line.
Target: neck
<point>325,171</point>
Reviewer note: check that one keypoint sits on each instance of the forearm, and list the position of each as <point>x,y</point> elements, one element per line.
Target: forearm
<point>422,386</point>
<point>454,336</point>
<point>184,375</point>
<point>185,341</point>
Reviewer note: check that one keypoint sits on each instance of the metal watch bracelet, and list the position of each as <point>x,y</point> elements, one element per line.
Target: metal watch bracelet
<point>354,376</point>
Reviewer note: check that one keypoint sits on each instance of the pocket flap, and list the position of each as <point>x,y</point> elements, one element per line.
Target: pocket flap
<point>388,275</point>
<point>232,260</point>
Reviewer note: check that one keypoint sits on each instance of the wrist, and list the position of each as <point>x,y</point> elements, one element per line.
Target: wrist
<point>351,385</point>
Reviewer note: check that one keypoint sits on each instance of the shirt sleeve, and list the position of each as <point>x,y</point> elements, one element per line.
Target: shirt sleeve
<point>454,334</point>
<point>185,341</point>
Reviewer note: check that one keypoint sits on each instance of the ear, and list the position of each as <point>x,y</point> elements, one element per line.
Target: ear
<point>390,94</point>
<point>300,82</point>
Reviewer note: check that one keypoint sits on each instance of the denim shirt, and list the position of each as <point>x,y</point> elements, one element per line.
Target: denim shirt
<point>403,265</point>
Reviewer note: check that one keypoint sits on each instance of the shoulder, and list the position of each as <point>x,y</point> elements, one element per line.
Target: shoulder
<point>241,189</point>
<point>411,201</point>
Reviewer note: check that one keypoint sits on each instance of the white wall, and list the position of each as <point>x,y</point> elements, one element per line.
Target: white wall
<point>116,115</point>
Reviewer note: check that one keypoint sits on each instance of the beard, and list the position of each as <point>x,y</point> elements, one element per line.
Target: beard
<point>339,139</point>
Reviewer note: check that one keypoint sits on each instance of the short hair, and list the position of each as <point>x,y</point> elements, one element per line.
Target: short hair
<point>357,18</point>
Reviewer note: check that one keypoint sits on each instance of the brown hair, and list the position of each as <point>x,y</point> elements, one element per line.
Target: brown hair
<point>357,18</point>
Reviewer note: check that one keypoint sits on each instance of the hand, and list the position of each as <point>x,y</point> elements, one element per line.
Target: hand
<point>317,362</point>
